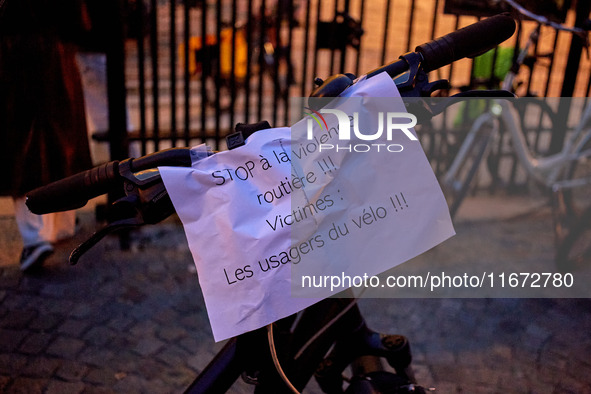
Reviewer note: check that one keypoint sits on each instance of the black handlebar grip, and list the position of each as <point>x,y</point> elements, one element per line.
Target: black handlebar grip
<point>73,192</point>
<point>469,41</point>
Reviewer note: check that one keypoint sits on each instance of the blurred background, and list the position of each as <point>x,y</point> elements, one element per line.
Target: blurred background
<point>166,73</point>
<point>185,72</point>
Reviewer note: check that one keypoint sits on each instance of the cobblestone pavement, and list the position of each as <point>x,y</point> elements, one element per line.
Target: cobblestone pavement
<point>134,321</point>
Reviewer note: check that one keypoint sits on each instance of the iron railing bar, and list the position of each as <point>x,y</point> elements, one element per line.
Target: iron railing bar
<point>304,82</point>
<point>358,57</point>
<point>186,74</point>
<point>205,72</point>
<point>443,137</point>
<point>155,82</point>
<point>551,67</point>
<point>249,60</point>
<point>315,60</point>
<point>434,23</point>
<point>233,66</point>
<point>276,55</point>
<point>142,74</point>
<point>531,74</point>
<point>410,25</point>
<point>290,71</point>
<point>218,72</point>
<point>385,36</point>
<point>172,49</point>
<point>263,29</point>
<point>344,49</point>
<point>333,37</point>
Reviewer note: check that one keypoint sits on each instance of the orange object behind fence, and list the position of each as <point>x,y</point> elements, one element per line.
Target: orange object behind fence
<point>224,53</point>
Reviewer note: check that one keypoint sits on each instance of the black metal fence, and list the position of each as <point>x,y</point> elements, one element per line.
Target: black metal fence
<point>194,68</point>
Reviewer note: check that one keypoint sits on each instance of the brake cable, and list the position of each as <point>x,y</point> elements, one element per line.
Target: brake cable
<point>276,360</point>
<point>273,349</point>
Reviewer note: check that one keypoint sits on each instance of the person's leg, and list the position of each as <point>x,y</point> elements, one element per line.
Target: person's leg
<point>36,246</point>
<point>58,226</point>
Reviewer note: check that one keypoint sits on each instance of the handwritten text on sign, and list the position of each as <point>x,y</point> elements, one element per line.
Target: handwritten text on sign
<point>261,217</point>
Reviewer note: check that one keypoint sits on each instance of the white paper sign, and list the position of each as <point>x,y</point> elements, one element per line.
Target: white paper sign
<point>308,200</point>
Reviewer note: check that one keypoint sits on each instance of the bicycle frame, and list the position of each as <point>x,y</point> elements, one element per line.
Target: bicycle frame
<point>547,171</point>
<point>304,342</point>
<point>550,169</point>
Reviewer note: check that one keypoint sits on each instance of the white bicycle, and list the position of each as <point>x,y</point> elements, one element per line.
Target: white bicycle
<point>566,174</point>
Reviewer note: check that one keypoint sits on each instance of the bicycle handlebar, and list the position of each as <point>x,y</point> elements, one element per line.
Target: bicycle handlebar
<point>543,20</point>
<point>470,41</point>
<point>74,192</point>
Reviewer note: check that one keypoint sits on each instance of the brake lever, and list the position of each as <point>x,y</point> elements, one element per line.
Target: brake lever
<point>141,205</point>
<point>146,201</point>
<point>425,108</point>
<point>102,233</point>
<point>413,83</point>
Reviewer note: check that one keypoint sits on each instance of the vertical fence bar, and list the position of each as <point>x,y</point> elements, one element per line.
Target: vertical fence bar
<point>218,71</point>
<point>261,60</point>
<point>315,61</point>
<point>410,25</point>
<point>358,57</point>
<point>305,60</point>
<point>116,84</point>
<point>517,40</point>
<point>492,78</point>
<point>186,74</point>
<point>233,65</point>
<point>172,49</point>
<point>532,70</point>
<point>434,23</point>
<point>333,37</point>
<point>141,74</point>
<point>115,56</point>
<point>205,72</point>
<point>249,60</point>
<point>343,59</point>
<point>385,36</point>
<point>290,71</point>
<point>502,134</point>
<point>443,137</point>
<point>551,67</point>
<point>274,69</point>
<point>577,44</point>
<point>154,59</point>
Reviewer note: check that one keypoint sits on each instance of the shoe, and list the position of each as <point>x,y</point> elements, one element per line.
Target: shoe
<point>33,256</point>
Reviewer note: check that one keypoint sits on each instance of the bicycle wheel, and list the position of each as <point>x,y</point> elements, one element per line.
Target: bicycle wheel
<point>537,120</point>
<point>458,179</point>
<point>574,230</point>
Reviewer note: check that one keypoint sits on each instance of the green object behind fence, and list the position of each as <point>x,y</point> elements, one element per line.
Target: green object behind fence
<point>483,64</point>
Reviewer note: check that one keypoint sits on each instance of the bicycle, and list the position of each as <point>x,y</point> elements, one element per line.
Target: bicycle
<point>566,173</point>
<point>326,337</point>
